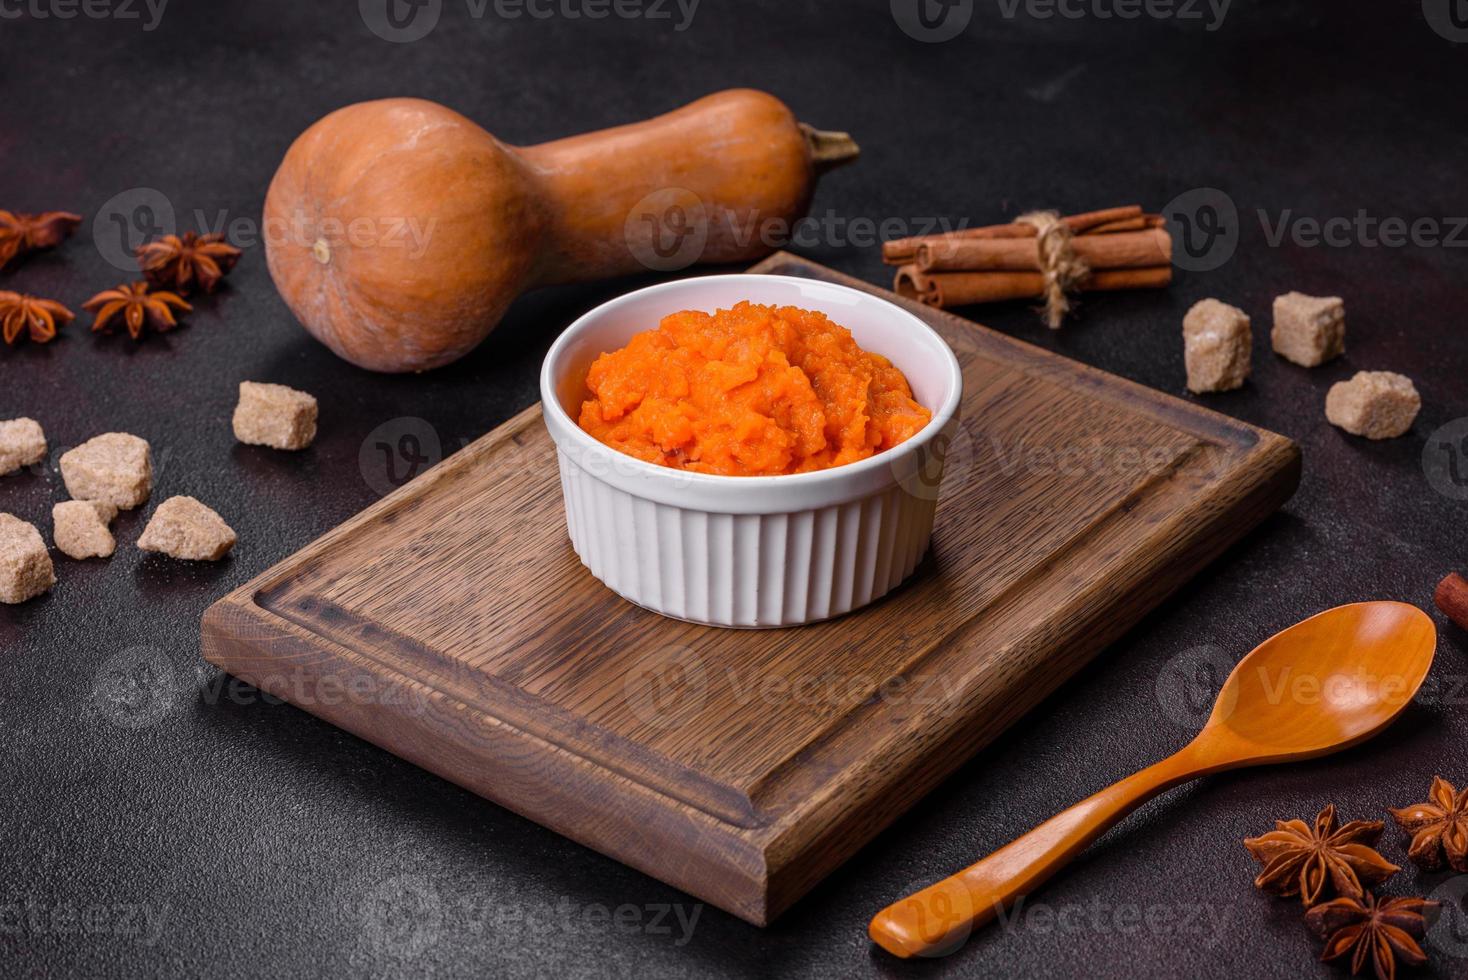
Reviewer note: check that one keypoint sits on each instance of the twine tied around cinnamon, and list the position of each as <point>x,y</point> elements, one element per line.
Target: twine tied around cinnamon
<point>1062,268</point>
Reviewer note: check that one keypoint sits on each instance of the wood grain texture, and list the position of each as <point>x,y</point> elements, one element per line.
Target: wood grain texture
<point>452,624</point>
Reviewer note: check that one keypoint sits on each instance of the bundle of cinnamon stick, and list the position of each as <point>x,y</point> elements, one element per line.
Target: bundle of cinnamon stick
<point>1037,255</point>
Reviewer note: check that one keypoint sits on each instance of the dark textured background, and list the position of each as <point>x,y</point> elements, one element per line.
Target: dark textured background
<point>265,842</point>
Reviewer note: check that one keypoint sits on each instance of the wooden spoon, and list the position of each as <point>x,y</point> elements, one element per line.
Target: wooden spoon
<point>1327,683</point>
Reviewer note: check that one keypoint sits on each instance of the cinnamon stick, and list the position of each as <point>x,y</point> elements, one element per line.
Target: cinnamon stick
<point>901,250</point>
<point>948,289</point>
<point>1121,250</point>
<point>1452,598</point>
<point>1129,224</point>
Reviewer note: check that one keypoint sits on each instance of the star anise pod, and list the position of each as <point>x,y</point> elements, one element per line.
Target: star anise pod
<point>1304,860</point>
<point>178,263</point>
<point>136,307</point>
<point>39,317</point>
<point>1383,931</point>
<point>21,233</point>
<point>1439,828</point>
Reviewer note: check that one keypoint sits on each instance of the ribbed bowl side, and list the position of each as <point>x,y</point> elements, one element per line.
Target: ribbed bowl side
<point>749,570</point>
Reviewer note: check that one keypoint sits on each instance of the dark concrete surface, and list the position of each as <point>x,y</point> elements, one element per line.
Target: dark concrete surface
<point>157,822</point>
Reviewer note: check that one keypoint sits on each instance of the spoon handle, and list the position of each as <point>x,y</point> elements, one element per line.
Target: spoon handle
<point>938,919</point>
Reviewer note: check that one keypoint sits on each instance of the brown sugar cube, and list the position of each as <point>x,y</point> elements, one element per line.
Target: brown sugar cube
<point>79,528</point>
<point>1309,330</point>
<point>115,467</point>
<point>25,566</point>
<point>1217,345</point>
<point>274,416</point>
<point>1374,404</point>
<point>22,443</point>
<point>182,527</point>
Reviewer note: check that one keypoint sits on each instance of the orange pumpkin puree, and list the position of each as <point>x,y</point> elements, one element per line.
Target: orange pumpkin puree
<point>749,391</point>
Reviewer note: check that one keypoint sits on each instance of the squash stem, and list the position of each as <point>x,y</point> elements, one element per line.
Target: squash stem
<point>829,150</point>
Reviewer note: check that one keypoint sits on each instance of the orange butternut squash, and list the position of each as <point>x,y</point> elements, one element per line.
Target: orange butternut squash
<point>398,231</point>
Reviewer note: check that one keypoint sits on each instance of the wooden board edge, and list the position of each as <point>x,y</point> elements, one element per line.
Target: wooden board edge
<point>557,789</point>
<point>508,704</point>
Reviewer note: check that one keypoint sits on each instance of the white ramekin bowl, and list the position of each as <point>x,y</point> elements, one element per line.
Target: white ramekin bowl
<point>761,550</point>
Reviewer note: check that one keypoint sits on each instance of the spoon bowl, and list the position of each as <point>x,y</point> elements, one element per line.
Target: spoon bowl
<point>1324,684</point>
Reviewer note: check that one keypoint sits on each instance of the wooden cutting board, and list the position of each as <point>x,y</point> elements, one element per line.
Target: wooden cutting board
<point>452,624</point>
